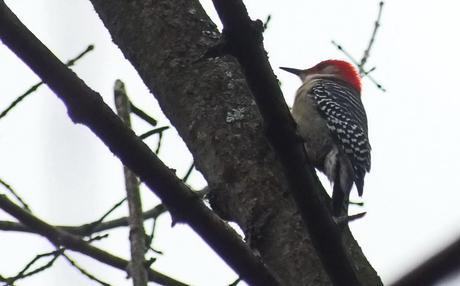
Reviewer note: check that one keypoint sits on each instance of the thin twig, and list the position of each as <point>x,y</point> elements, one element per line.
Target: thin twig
<point>32,89</point>
<point>160,138</point>
<point>81,55</point>
<point>141,114</point>
<point>158,131</point>
<point>96,223</point>
<point>124,221</point>
<point>59,237</point>
<point>189,172</point>
<point>97,237</point>
<point>367,52</point>
<point>90,228</point>
<point>352,59</point>
<point>153,131</point>
<point>267,22</point>
<point>23,273</point>
<point>366,73</point>
<point>84,272</point>
<point>347,54</point>
<point>136,222</point>
<point>14,194</point>
<point>149,240</point>
<point>236,282</point>
<point>37,85</point>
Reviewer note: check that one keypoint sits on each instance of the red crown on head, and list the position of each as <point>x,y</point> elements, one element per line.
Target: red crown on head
<point>347,72</point>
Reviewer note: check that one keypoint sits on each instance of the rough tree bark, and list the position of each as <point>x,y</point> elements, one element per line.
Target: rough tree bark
<point>208,102</point>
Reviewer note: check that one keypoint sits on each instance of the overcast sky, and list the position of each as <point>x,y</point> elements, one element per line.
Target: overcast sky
<point>411,195</point>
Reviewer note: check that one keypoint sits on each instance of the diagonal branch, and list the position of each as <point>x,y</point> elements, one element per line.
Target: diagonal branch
<point>33,88</point>
<point>62,238</point>
<point>362,71</point>
<point>89,228</point>
<point>15,195</point>
<point>83,271</point>
<point>245,43</point>
<point>24,273</point>
<point>435,268</point>
<point>86,106</point>
<point>210,105</point>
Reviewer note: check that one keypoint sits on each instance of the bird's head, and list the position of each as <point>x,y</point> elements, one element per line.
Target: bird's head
<point>330,69</point>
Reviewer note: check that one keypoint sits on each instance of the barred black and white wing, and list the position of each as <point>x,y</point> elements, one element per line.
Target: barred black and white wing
<point>346,119</point>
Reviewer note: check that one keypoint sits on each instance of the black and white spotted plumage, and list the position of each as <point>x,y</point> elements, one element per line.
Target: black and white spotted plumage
<point>332,122</point>
<point>340,105</point>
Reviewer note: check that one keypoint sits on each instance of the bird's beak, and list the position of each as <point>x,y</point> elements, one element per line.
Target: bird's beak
<point>291,70</point>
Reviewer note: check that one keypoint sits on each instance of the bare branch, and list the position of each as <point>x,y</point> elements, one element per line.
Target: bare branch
<point>235,283</point>
<point>86,106</point>
<point>160,138</point>
<point>149,239</point>
<point>97,223</point>
<point>141,114</point>
<point>367,52</point>
<point>267,22</point>
<point>69,241</point>
<point>352,59</point>
<point>23,273</point>
<point>189,172</point>
<point>15,195</point>
<point>136,233</point>
<point>435,268</point>
<point>33,88</point>
<point>245,41</point>
<point>158,131</point>
<point>84,230</point>
<point>83,271</point>
<point>90,228</point>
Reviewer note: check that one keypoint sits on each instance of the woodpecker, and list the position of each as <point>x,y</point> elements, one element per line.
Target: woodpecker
<point>332,123</point>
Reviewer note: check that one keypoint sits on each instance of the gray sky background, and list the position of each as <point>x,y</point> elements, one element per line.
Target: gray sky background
<point>411,195</point>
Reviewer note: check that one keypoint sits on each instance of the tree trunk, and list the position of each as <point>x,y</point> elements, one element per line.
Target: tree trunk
<point>209,104</point>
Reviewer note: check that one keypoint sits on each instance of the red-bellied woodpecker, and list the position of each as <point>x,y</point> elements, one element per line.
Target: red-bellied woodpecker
<point>332,122</point>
